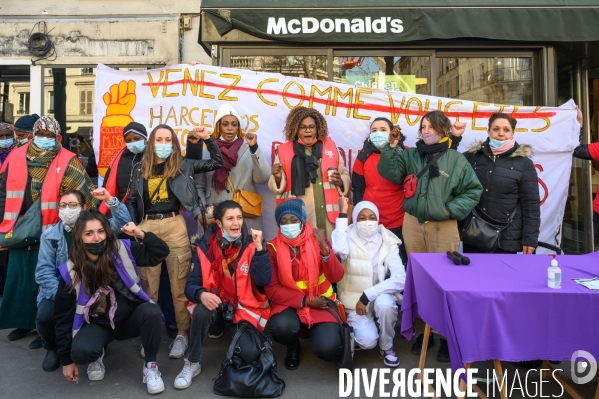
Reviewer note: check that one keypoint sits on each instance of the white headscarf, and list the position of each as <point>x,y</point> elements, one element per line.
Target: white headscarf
<point>376,237</point>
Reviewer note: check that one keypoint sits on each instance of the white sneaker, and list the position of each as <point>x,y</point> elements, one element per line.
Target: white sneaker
<point>178,347</point>
<point>142,352</point>
<point>152,379</point>
<point>96,370</point>
<point>189,371</point>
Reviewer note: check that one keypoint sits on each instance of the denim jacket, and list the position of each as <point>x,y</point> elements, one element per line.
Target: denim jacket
<point>54,252</point>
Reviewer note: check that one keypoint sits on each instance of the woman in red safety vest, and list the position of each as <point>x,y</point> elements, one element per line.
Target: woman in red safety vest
<point>226,285</point>
<point>36,175</point>
<point>303,268</point>
<point>309,166</point>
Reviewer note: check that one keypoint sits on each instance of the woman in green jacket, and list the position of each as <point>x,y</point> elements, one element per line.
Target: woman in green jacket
<point>445,193</point>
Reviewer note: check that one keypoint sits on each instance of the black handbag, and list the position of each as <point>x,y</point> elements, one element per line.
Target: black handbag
<point>258,379</point>
<point>347,336</point>
<point>482,232</point>
<point>26,231</point>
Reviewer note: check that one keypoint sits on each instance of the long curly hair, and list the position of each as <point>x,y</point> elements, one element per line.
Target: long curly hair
<point>295,118</point>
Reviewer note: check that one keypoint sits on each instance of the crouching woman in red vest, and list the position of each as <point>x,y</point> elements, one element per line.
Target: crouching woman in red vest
<point>303,268</point>
<point>99,297</point>
<point>36,176</point>
<point>230,269</point>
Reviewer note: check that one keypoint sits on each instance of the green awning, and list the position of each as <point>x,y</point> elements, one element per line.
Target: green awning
<point>395,21</point>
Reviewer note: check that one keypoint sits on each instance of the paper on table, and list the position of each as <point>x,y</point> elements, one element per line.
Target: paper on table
<point>590,283</point>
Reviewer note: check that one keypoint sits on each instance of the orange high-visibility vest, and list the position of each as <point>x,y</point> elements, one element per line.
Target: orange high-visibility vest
<point>325,288</point>
<point>251,304</point>
<point>330,159</point>
<point>111,183</point>
<point>16,182</point>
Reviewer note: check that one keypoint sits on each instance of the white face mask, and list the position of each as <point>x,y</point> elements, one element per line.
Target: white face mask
<point>367,228</point>
<point>69,216</point>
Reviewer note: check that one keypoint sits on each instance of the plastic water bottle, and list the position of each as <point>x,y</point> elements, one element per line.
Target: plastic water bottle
<point>554,275</point>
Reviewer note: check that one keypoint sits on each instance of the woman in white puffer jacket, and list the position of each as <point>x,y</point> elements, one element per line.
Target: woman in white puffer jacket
<point>374,277</point>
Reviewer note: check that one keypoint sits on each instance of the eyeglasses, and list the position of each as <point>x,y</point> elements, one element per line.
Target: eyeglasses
<point>306,128</point>
<point>71,205</point>
<point>45,135</point>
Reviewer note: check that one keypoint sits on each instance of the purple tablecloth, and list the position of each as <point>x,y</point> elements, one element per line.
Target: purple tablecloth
<point>499,307</point>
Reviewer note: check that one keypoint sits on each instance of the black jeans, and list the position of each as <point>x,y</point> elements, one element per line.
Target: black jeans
<point>200,323</point>
<point>145,321</point>
<point>402,248</point>
<point>44,323</point>
<point>325,338</point>
<point>471,250</point>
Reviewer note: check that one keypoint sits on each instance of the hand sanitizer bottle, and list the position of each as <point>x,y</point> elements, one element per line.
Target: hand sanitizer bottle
<point>554,275</point>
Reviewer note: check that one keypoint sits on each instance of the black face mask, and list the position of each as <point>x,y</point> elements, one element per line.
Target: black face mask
<point>95,248</point>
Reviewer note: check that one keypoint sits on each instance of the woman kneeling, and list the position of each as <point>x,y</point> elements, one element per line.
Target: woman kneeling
<point>374,277</point>
<point>225,285</point>
<point>303,270</point>
<point>99,297</point>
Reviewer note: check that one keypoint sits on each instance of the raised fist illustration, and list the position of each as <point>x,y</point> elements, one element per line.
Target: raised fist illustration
<point>120,101</point>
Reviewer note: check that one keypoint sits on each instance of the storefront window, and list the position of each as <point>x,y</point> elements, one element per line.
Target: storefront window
<point>494,80</point>
<point>300,66</point>
<point>405,74</point>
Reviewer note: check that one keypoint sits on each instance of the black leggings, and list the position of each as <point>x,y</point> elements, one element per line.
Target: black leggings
<point>146,320</point>
<point>325,338</point>
<point>398,231</point>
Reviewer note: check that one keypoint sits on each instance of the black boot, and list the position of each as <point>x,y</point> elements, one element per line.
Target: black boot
<point>292,361</point>
<point>417,347</point>
<point>18,334</point>
<point>36,343</point>
<point>443,354</point>
<point>51,362</point>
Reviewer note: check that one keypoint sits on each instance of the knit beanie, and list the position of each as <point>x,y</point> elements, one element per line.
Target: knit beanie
<point>225,110</point>
<point>294,207</point>
<point>137,128</point>
<point>26,122</point>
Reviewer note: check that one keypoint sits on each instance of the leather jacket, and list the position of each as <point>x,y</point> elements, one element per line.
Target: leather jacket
<point>183,185</point>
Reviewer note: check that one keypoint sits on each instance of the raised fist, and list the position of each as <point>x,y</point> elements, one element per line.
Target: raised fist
<point>458,128</point>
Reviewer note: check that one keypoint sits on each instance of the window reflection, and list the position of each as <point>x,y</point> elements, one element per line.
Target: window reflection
<point>493,80</point>
<point>300,66</point>
<point>405,74</point>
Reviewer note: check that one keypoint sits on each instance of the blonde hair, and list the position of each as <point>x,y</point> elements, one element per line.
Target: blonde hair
<point>172,165</point>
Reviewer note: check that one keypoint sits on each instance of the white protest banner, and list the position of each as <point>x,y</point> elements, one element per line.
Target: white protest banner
<point>185,96</point>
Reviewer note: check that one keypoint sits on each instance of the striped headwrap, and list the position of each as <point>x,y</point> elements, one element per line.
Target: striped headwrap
<point>47,123</point>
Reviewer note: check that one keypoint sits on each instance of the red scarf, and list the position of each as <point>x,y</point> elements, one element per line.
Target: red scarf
<point>229,151</point>
<point>222,261</point>
<point>309,255</point>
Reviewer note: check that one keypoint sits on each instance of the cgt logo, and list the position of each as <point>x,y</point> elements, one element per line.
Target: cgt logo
<point>583,367</point>
<point>245,268</point>
<point>308,25</point>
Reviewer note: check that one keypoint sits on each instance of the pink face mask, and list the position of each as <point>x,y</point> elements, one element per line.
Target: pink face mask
<point>432,138</point>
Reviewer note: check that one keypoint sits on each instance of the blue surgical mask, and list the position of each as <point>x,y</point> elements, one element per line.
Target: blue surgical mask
<point>291,230</point>
<point>496,143</point>
<point>136,147</point>
<point>44,143</point>
<point>163,151</point>
<point>228,237</point>
<point>6,143</point>
<point>379,139</point>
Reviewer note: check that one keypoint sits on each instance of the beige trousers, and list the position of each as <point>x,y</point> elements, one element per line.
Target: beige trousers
<point>173,231</point>
<point>433,236</point>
